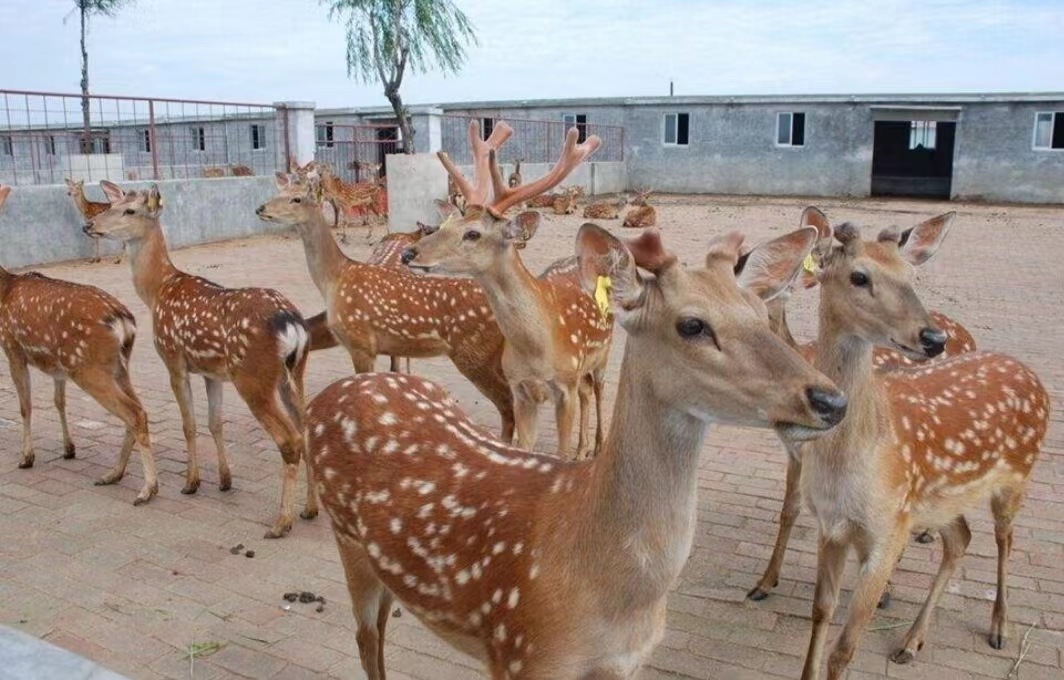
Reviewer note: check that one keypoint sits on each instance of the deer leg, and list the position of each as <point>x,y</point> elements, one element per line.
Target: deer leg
<point>599,381</point>
<point>20,375</point>
<point>95,249</point>
<point>877,563</point>
<point>408,364</point>
<point>69,450</point>
<point>297,399</point>
<point>583,443</point>
<point>370,601</point>
<point>526,416</point>
<point>115,393</point>
<point>363,361</point>
<point>179,383</point>
<point>792,502</point>
<point>1004,505</point>
<point>955,539</point>
<point>831,559</point>
<point>215,424</point>
<point>564,414</point>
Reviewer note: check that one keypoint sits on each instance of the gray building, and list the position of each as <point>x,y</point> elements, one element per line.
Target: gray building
<point>994,147</point>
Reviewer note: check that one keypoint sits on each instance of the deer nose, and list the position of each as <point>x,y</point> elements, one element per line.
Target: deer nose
<point>933,341</point>
<point>408,255</point>
<point>87,227</point>
<point>830,405</point>
<point>258,210</point>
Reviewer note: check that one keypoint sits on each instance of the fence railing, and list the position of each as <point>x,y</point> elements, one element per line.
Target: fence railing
<point>355,152</point>
<point>46,137</point>
<point>533,141</point>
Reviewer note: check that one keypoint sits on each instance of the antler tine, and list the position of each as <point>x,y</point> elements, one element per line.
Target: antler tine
<point>573,154</point>
<point>477,192</point>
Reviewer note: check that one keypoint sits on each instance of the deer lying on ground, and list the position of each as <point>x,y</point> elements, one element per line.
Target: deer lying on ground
<point>543,568</point>
<point>884,359</point>
<point>919,447</point>
<point>80,333</point>
<point>557,338</point>
<point>565,204</point>
<point>88,210</point>
<point>374,309</point>
<point>642,213</point>
<point>606,210</point>
<point>241,171</point>
<point>253,337</point>
<point>212,173</point>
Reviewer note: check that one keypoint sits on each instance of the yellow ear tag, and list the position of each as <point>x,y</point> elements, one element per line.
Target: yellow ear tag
<point>809,264</point>
<point>602,294</point>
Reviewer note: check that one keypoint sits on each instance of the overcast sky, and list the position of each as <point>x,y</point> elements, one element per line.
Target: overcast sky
<point>271,50</point>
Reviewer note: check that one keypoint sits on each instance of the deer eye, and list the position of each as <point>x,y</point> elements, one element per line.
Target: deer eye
<point>691,328</point>
<point>297,200</point>
<point>131,211</point>
<point>471,235</point>
<point>859,279</point>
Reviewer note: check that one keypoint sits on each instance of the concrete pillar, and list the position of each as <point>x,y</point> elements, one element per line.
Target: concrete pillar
<point>428,128</point>
<point>297,139</point>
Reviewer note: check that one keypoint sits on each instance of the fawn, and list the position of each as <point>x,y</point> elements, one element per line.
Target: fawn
<point>88,210</point>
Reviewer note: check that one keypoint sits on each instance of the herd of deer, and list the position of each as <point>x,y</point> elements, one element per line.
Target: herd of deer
<point>559,566</point>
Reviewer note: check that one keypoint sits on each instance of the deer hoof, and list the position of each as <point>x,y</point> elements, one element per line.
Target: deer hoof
<point>277,532</point>
<point>309,514</point>
<point>190,488</point>
<point>69,450</point>
<point>25,463</point>
<point>884,600</point>
<point>925,537</point>
<point>757,594</point>
<point>903,656</point>
<point>108,479</point>
<point>997,641</point>
<point>225,483</point>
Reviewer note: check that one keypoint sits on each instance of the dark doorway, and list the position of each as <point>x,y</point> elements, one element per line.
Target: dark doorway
<point>387,144</point>
<point>913,158</point>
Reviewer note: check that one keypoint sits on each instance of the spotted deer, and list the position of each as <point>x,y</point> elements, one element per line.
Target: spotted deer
<point>88,210</point>
<point>373,309</point>
<point>253,337</point>
<point>642,214</point>
<point>348,196</point>
<point>606,210</point>
<point>557,338</point>
<point>546,568</point>
<point>919,447</point>
<point>79,333</point>
<point>514,180</point>
<point>884,359</point>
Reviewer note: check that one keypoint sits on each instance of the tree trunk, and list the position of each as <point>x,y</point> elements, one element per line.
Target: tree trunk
<point>405,128</point>
<point>86,138</point>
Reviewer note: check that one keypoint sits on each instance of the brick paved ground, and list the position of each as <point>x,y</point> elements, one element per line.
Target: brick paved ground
<point>133,588</point>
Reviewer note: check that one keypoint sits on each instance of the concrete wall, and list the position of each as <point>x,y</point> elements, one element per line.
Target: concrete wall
<point>39,224</point>
<point>994,159</point>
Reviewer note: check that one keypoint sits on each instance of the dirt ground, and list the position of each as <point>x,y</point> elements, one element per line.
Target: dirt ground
<point>136,589</point>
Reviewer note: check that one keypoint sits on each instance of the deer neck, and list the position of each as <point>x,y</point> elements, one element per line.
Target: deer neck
<point>640,513</point>
<point>516,301</point>
<point>5,281</point>
<point>151,263</point>
<point>325,260</point>
<point>81,202</point>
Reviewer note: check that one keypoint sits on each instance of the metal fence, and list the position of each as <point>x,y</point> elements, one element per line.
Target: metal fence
<point>46,137</point>
<point>355,152</point>
<point>533,141</point>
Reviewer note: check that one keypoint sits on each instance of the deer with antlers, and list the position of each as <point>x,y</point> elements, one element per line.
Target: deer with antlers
<point>557,338</point>
<point>373,309</point>
<point>919,448</point>
<point>88,210</point>
<point>884,359</point>
<point>79,333</point>
<point>253,337</point>
<point>560,569</point>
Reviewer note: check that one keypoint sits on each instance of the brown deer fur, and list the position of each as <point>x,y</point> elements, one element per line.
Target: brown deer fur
<point>253,337</point>
<point>642,213</point>
<point>88,209</point>
<point>538,567</point>
<point>373,309</point>
<point>605,210</point>
<point>919,448</point>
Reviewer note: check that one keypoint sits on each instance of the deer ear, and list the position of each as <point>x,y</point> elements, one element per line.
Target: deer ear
<point>154,201</point>
<point>725,248</point>
<point>522,227</point>
<point>445,209</point>
<point>113,192</point>
<point>920,243</point>
<point>770,268</point>
<point>601,255</point>
<point>282,180</point>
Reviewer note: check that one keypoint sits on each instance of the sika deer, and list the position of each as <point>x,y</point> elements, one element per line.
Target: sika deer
<point>642,214</point>
<point>919,447</point>
<point>883,358</point>
<point>373,309</point>
<point>80,333</point>
<point>606,210</point>
<point>88,210</point>
<point>557,338</point>
<point>543,568</point>
<point>253,337</point>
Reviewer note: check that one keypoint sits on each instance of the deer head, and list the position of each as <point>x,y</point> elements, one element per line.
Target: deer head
<point>472,242</point>
<point>867,291</point>
<point>298,201</point>
<point>131,216</point>
<point>700,337</point>
<point>641,197</point>
<point>75,188</point>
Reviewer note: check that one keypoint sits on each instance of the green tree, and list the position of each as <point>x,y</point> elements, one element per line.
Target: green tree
<point>385,37</point>
<point>86,9</point>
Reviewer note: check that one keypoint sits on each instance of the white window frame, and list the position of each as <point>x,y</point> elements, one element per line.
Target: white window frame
<point>1052,125</point>
<point>664,126</point>
<point>789,144</point>
<point>925,129</point>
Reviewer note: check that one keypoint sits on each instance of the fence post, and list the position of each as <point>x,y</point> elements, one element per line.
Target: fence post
<point>152,141</point>
<point>295,132</point>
